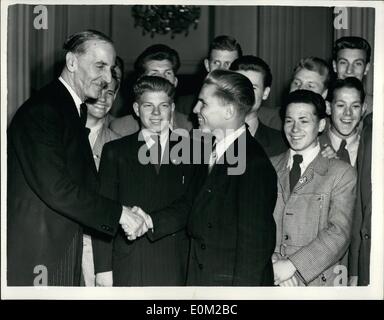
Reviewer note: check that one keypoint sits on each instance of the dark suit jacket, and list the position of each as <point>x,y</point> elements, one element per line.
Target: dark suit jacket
<point>360,249</point>
<point>158,259</point>
<point>52,184</point>
<point>231,223</point>
<point>271,140</point>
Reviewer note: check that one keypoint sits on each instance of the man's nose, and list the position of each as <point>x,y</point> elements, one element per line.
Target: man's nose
<point>350,69</point>
<point>347,111</point>
<point>107,76</point>
<point>295,127</point>
<point>156,110</point>
<point>102,97</point>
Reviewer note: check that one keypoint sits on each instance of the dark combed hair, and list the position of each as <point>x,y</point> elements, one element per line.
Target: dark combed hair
<point>349,82</point>
<point>76,42</point>
<point>232,88</point>
<point>352,43</point>
<point>317,65</point>
<point>252,63</point>
<point>305,96</point>
<point>224,42</point>
<point>157,52</point>
<point>153,84</point>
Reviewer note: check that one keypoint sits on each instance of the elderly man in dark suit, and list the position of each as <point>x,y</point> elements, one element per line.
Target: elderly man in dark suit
<point>52,179</point>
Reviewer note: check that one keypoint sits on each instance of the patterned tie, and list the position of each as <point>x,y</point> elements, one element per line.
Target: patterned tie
<point>295,173</point>
<point>83,113</point>
<point>342,153</point>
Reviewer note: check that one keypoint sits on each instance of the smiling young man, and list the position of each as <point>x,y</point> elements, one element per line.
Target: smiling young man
<point>314,209</point>
<point>231,226</point>
<point>310,73</point>
<point>259,73</point>
<point>162,61</point>
<point>222,52</point>
<point>346,111</point>
<point>127,176</point>
<point>99,134</point>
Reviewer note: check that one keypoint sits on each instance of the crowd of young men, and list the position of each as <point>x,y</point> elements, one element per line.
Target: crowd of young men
<point>278,203</point>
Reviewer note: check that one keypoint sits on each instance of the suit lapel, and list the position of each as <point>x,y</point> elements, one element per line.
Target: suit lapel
<point>283,175</point>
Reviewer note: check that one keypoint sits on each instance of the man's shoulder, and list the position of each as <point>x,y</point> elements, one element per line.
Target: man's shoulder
<point>122,144</point>
<point>44,102</point>
<point>279,160</point>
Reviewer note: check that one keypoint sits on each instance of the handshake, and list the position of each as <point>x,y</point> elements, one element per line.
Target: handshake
<point>135,222</point>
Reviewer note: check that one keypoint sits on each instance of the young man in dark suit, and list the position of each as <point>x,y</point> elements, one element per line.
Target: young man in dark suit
<point>139,170</point>
<point>52,181</point>
<point>230,223</point>
<point>259,73</point>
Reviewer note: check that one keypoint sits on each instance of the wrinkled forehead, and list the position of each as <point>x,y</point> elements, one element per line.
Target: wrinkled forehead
<point>99,49</point>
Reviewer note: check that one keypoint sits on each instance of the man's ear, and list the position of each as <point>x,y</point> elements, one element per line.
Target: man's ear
<point>176,82</point>
<point>136,109</point>
<point>322,124</point>
<point>206,64</point>
<point>71,61</point>
<point>173,106</point>
<point>266,92</point>
<point>328,108</point>
<point>229,111</point>
<point>334,65</point>
<point>367,67</point>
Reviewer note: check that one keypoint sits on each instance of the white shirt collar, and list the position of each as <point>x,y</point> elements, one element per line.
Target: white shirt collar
<point>308,156</point>
<point>224,144</point>
<point>74,95</point>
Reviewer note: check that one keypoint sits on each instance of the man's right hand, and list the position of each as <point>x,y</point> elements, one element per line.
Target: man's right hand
<point>133,224</point>
<point>104,279</point>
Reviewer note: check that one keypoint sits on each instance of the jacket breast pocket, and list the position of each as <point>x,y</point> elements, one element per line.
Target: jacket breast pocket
<point>302,218</point>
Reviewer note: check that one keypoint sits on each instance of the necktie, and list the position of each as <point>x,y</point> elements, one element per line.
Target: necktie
<point>156,152</point>
<point>342,153</point>
<point>83,113</point>
<point>295,173</point>
<point>213,158</point>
